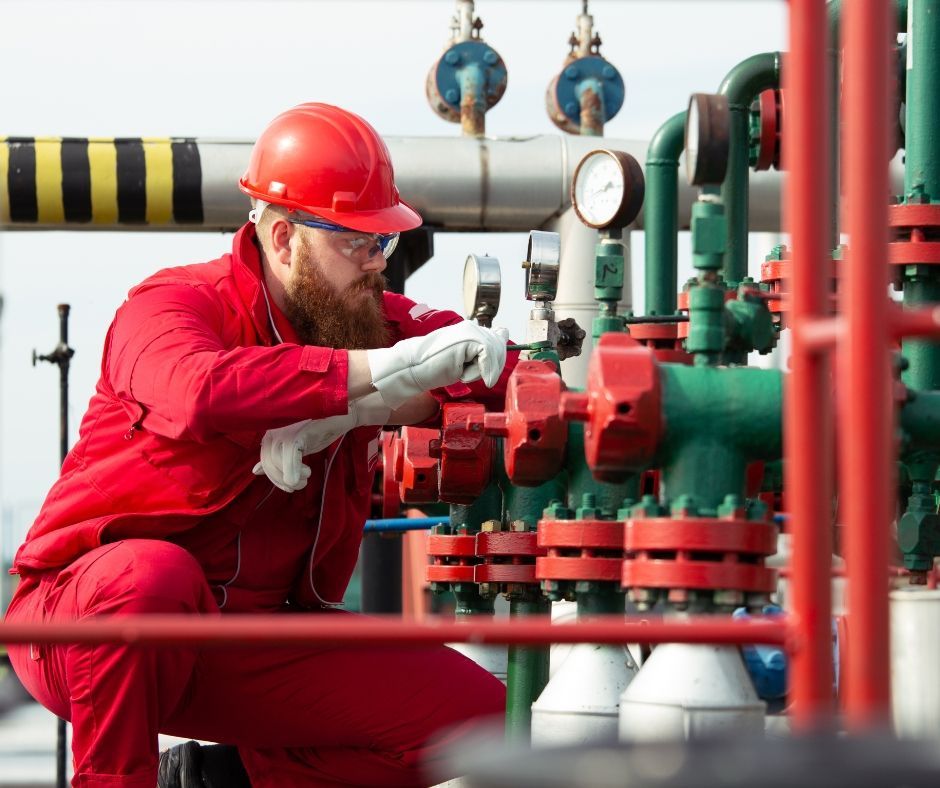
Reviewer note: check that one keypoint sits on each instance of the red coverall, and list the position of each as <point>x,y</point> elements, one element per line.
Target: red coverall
<point>157,511</point>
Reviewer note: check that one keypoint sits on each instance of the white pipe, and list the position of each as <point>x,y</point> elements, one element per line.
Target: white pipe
<point>456,183</point>
<point>464,21</point>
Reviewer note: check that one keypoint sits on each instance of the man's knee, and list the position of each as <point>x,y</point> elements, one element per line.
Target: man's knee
<point>153,576</point>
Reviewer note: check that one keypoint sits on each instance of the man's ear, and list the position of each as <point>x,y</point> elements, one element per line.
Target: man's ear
<point>280,237</point>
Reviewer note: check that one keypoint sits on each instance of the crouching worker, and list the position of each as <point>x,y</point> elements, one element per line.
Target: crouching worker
<point>286,348</point>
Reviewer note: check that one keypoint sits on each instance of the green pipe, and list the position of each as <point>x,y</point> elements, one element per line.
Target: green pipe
<point>921,284</point>
<point>528,667</point>
<point>609,498</point>
<point>608,601</point>
<point>661,216</point>
<point>741,86</point>
<point>834,9</point>
<point>920,421</point>
<point>718,419</point>
<point>922,129</point>
<point>527,673</point>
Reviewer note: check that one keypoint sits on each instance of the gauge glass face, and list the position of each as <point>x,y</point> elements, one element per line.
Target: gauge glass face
<point>599,190</point>
<point>471,283</point>
<point>691,138</point>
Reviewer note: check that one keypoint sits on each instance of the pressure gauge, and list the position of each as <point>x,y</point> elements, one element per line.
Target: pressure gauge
<point>607,189</point>
<point>481,287</point>
<point>543,258</point>
<point>707,134</point>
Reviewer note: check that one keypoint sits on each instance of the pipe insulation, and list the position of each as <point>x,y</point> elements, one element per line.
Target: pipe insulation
<point>457,184</point>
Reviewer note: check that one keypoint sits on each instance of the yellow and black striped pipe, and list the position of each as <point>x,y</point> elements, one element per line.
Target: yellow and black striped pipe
<point>140,181</point>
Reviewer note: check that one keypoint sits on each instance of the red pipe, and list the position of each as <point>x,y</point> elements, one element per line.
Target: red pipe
<point>283,630</point>
<point>923,322</point>
<point>808,432</point>
<point>867,413</point>
<point>820,335</point>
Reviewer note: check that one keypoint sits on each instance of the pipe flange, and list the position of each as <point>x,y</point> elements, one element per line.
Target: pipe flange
<point>591,84</point>
<point>663,339</point>
<point>453,557</point>
<point>508,561</point>
<point>579,551</point>
<point>721,560</point>
<point>916,230</point>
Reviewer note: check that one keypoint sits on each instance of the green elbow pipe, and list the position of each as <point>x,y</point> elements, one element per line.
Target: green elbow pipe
<point>741,86</point>
<point>662,216</point>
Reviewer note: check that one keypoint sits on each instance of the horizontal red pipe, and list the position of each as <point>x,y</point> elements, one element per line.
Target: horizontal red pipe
<point>923,322</point>
<point>819,335</point>
<point>284,630</point>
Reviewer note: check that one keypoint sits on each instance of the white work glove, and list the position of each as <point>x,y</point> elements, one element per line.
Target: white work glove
<point>283,449</point>
<point>463,352</point>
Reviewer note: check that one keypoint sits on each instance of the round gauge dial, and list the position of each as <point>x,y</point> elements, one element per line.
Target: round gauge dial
<point>543,258</point>
<point>707,133</point>
<point>481,288</point>
<point>607,189</point>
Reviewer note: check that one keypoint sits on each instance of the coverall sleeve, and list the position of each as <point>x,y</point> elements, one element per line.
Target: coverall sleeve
<point>411,319</point>
<point>174,354</point>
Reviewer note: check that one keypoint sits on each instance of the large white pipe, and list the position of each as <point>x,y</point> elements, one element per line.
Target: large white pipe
<point>456,183</point>
<point>915,661</point>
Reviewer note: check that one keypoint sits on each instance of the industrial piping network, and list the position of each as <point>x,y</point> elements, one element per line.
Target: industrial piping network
<point>646,483</point>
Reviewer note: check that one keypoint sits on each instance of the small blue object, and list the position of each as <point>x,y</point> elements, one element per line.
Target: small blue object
<point>400,524</point>
<point>471,55</point>
<point>766,665</point>
<point>584,70</point>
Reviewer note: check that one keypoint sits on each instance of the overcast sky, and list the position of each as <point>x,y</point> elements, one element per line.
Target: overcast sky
<point>214,68</point>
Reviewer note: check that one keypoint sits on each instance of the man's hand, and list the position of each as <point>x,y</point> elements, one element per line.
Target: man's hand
<point>283,449</point>
<point>572,337</point>
<point>462,352</point>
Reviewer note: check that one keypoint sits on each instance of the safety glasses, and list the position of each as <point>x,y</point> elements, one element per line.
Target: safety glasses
<point>354,243</point>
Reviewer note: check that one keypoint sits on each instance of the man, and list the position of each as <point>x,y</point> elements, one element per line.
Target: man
<point>290,346</point>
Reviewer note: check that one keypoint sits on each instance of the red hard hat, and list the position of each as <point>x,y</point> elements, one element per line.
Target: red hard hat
<point>329,162</point>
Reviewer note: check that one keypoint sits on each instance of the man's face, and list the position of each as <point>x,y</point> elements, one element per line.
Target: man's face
<point>333,300</point>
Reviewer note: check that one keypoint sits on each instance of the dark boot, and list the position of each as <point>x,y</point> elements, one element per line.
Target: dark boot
<point>189,765</point>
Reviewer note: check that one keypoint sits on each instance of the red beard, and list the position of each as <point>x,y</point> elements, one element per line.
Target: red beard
<point>352,319</point>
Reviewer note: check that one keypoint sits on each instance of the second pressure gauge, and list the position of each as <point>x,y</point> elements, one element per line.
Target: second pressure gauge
<point>607,189</point>
<point>481,288</point>
<point>707,137</point>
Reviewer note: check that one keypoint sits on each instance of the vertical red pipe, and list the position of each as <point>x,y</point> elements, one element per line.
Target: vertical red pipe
<point>808,434</point>
<point>866,420</point>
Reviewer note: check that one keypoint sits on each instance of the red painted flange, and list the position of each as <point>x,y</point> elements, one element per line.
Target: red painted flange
<point>508,557</point>
<point>916,234</point>
<point>644,572</point>
<point>466,453</point>
<point>453,558</point>
<point>579,568</point>
<point>771,116</point>
<point>415,468</point>
<point>535,434</point>
<point>581,534</point>
<point>663,339</point>
<point>573,547</point>
<point>699,553</point>
<point>914,215</point>
<point>622,408</point>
